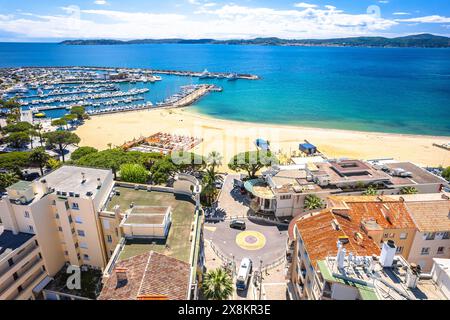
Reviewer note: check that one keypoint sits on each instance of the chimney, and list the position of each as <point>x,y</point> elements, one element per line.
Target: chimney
<point>412,276</point>
<point>99,183</point>
<point>340,257</point>
<point>121,275</point>
<point>388,251</point>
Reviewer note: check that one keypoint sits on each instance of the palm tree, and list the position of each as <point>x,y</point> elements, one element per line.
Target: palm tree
<point>313,202</point>
<point>217,285</point>
<point>38,128</point>
<point>209,184</point>
<point>214,159</point>
<point>408,190</point>
<point>370,191</point>
<point>40,158</point>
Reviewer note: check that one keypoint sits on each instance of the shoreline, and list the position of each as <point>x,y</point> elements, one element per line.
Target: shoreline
<point>231,136</point>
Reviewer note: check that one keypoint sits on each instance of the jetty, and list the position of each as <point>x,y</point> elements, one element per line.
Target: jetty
<point>193,94</point>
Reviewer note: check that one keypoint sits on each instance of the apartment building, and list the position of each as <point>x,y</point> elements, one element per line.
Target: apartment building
<point>60,212</point>
<point>334,260</point>
<point>432,239</point>
<point>282,190</point>
<point>21,265</point>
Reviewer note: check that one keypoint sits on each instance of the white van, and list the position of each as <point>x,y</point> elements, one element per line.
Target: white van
<point>243,275</point>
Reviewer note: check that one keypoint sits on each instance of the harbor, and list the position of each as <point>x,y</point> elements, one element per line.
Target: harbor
<point>50,92</point>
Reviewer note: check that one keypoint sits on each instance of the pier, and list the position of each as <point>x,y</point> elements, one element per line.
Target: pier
<point>182,101</point>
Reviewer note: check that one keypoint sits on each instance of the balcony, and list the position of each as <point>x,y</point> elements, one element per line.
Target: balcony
<point>34,280</point>
<point>19,261</point>
<point>35,264</point>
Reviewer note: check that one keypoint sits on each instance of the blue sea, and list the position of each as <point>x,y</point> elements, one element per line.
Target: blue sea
<point>370,89</point>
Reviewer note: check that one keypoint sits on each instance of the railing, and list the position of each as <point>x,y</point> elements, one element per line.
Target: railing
<point>275,264</point>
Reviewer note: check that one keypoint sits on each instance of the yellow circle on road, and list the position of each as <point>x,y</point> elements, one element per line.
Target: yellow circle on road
<point>251,240</point>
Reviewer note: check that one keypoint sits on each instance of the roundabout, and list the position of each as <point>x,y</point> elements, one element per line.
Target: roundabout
<point>251,240</point>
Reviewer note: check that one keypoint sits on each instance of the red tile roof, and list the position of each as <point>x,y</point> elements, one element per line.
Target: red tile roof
<point>320,237</point>
<point>149,276</point>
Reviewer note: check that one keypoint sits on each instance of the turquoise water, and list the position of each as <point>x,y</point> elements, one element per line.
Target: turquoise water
<point>371,89</point>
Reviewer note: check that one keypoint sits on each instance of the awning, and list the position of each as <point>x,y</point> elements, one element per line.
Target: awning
<point>259,188</point>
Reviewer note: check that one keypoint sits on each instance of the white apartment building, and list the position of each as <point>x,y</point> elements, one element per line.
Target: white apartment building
<point>59,214</point>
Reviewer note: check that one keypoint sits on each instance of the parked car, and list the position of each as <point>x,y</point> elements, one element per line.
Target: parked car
<point>237,224</point>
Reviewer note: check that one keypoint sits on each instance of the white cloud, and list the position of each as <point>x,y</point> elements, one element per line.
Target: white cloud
<point>101,2</point>
<point>304,5</point>
<point>427,19</point>
<point>401,13</point>
<point>383,1</point>
<point>221,22</point>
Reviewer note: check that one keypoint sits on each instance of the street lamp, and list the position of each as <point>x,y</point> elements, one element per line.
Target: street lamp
<point>260,277</point>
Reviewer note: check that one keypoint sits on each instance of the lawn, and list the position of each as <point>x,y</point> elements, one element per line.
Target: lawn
<point>177,244</point>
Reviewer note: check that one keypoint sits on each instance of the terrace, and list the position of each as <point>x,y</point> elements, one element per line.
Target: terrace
<point>177,244</point>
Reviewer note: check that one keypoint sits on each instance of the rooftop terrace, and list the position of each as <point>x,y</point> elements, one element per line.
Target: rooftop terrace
<point>177,244</point>
<point>10,242</point>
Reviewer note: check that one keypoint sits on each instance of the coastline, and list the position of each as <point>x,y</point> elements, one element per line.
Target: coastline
<point>230,136</point>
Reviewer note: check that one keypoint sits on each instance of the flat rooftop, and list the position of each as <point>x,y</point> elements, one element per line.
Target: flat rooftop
<point>340,173</point>
<point>10,242</point>
<point>147,215</point>
<point>21,186</point>
<point>69,179</point>
<point>177,244</point>
<point>419,175</point>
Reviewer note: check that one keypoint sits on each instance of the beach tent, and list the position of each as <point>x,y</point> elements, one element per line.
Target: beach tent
<point>263,144</point>
<point>308,148</point>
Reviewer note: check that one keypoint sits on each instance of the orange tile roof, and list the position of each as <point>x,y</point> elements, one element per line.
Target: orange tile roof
<point>320,237</point>
<point>377,207</point>
<point>149,276</point>
<point>430,216</point>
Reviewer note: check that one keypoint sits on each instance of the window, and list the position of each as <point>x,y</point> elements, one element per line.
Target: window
<point>53,202</point>
<point>106,224</point>
<point>66,253</point>
<point>388,235</point>
<point>78,220</point>
<point>86,257</point>
<point>30,228</point>
<point>446,235</point>
<point>285,197</point>
<point>399,250</point>
<point>430,235</point>
<point>81,233</point>
<point>76,245</point>
<point>70,218</point>
<point>75,206</point>
<point>425,251</point>
<point>440,250</point>
<point>27,214</point>
<point>83,245</point>
<point>403,235</point>
<point>57,216</point>
<point>59,229</point>
<point>109,238</point>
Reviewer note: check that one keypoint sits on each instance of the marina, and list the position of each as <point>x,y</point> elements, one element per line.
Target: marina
<point>50,92</point>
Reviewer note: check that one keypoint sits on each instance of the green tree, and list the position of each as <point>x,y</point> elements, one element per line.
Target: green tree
<point>62,139</point>
<point>79,111</point>
<point>53,164</point>
<point>40,158</point>
<point>446,173</point>
<point>162,170</point>
<point>38,128</point>
<point>209,189</point>
<point>313,202</point>
<point>187,161</point>
<point>17,139</point>
<point>408,190</point>
<point>18,127</point>
<point>14,160</point>
<point>217,285</point>
<point>133,172</point>
<point>107,159</point>
<point>81,152</point>
<point>214,160</point>
<point>7,179</point>
<point>14,108</point>
<point>370,191</point>
<point>59,123</point>
<point>252,162</point>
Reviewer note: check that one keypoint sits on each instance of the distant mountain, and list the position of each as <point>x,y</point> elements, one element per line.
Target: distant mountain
<point>420,40</point>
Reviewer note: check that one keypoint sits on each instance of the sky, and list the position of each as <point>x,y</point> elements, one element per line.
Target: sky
<point>56,20</point>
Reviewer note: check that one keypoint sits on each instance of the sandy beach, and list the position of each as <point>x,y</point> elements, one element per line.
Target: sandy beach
<point>230,137</point>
